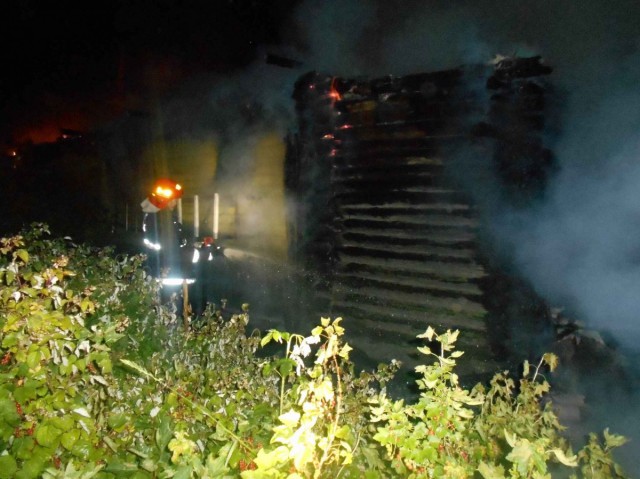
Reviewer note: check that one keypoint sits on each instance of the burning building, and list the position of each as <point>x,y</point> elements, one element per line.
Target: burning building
<point>382,174</point>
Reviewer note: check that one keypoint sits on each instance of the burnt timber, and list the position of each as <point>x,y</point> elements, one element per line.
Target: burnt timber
<point>385,209</point>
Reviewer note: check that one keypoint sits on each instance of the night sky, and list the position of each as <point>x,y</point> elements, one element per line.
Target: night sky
<point>72,64</point>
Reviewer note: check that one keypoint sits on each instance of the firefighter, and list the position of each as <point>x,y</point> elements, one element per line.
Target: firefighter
<point>163,236</point>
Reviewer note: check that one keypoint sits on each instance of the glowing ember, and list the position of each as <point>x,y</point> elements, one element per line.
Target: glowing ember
<point>334,94</point>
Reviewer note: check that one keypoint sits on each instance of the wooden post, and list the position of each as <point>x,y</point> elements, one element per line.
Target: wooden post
<point>196,217</point>
<point>185,304</point>
<point>216,214</point>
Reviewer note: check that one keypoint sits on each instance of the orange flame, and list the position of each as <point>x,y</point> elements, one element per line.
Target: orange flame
<point>334,94</point>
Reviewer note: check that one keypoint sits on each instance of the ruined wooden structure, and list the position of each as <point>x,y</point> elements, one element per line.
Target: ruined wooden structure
<point>384,210</point>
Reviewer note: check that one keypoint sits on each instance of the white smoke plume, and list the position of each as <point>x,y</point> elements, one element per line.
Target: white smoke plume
<point>580,247</point>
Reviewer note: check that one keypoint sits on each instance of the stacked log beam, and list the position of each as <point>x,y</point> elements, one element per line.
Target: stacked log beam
<point>396,239</point>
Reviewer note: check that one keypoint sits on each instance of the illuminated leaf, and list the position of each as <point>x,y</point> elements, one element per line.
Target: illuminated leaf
<point>551,360</point>
<point>490,471</point>
<point>429,334</point>
<point>267,337</point>
<point>268,460</point>
<point>344,352</point>
<point>82,412</point>
<point>521,454</point>
<point>424,349</point>
<point>23,254</point>
<point>613,440</point>
<point>136,367</point>
<point>511,439</point>
<point>290,418</point>
<point>567,461</point>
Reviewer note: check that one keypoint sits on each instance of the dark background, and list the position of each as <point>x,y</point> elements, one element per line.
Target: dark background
<point>73,64</point>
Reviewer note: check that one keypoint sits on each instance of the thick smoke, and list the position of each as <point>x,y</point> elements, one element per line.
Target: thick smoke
<point>580,247</point>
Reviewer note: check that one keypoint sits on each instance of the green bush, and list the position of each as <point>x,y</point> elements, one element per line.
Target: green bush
<point>99,379</point>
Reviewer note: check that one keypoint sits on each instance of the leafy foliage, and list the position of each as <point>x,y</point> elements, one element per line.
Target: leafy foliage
<point>98,379</point>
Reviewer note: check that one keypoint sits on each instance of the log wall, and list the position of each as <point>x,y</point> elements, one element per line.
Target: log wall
<point>377,210</point>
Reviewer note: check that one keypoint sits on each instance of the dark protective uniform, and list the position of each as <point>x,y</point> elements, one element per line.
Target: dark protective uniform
<point>166,245</point>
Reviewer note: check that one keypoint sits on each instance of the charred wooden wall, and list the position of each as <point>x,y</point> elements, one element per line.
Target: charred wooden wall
<point>379,213</point>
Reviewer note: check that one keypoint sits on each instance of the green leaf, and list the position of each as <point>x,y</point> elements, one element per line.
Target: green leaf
<point>290,418</point>
<point>30,469</point>
<point>23,447</point>
<point>216,466</point>
<point>23,254</point>
<point>142,475</point>
<point>267,337</point>
<point>9,340</point>
<point>8,467</point>
<point>47,435</point>
<point>82,448</point>
<point>136,367</point>
<point>69,439</point>
<point>511,438</point>
<point>428,334</point>
<point>614,440</point>
<point>164,433</point>
<point>489,471</point>
<point>521,454</point>
<point>567,461</point>
<point>8,413</point>
<point>64,423</point>
<point>183,472</point>
<point>285,366</point>
<point>551,360</point>
<point>118,467</point>
<point>268,460</point>
<point>116,421</point>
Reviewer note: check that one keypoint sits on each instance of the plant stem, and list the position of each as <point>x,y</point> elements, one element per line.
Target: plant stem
<point>283,378</point>
<point>334,424</point>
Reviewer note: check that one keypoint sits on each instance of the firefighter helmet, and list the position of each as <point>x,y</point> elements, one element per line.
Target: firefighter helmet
<point>164,191</point>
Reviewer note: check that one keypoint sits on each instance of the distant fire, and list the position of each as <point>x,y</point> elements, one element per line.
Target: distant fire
<point>334,94</point>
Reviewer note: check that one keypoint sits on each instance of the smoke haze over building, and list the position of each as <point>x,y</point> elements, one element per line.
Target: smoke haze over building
<point>580,247</point>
